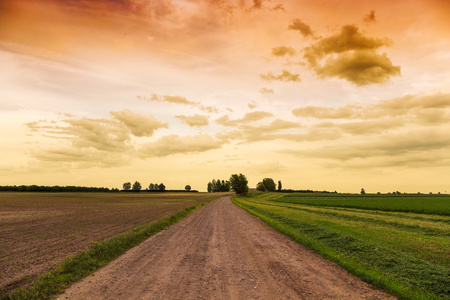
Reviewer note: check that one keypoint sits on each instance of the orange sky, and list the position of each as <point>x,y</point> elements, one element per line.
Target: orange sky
<point>334,95</point>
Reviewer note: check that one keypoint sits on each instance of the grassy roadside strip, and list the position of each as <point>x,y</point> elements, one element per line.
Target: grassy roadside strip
<point>393,271</point>
<point>75,268</point>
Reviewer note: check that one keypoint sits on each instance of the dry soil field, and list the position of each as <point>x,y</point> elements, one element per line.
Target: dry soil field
<point>39,230</point>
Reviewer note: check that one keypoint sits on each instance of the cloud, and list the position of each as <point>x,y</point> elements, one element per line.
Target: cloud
<point>195,120</point>
<point>88,142</point>
<point>365,127</point>
<point>424,110</point>
<point>370,17</point>
<point>359,67</point>
<point>318,112</point>
<point>351,56</point>
<point>252,105</point>
<point>283,51</point>
<point>180,100</point>
<point>139,124</point>
<point>403,149</point>
<point>266,92</point>
<point>175,144</point>
<point>248,118</point>
<point>284,76</point>
<point>303,28</point>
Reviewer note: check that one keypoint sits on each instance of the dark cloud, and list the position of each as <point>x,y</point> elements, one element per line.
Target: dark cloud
<point>303,28</point>
<point>370,17</point>
<point>284,76</point>
<point>351,56</point>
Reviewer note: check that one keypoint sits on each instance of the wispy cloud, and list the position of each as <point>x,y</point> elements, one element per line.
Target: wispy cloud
<point>283,76</point>
<point>180,100</point>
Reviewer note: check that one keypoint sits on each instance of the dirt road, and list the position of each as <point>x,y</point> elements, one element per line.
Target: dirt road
<point>221,252</point>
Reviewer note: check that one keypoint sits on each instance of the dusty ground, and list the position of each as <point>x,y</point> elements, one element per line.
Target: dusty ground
<point>39,230</point>
<point>221,252</point>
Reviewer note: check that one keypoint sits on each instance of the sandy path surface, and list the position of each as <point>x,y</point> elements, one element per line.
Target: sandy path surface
<point>221,252</point>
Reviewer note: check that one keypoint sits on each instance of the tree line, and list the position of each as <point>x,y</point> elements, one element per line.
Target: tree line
<point>55,189</point>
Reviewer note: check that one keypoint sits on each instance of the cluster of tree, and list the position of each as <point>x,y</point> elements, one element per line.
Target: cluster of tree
<point>136,187</point>
<point>54,189</point>
<point>218,185</point>
<point>267,184</point>
<point>153,187</point>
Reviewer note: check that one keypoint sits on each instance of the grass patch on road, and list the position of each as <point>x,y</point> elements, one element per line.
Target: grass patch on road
<point>406,254</point>
<point>75,268</point>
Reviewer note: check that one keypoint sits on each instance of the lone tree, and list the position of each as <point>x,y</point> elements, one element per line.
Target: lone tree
<point>137,186</point>
<point>239,184</point>
<point>363,191</point>
<point>127,186</point>
<point>269,184</point>
<point>187,188</point>
<point>279,185</point>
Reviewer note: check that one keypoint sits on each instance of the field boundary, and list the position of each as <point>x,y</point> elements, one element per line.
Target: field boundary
<point>85,263</point>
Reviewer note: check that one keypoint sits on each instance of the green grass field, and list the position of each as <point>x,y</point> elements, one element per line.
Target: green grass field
<point>423,204</point>
<point>405,253</point>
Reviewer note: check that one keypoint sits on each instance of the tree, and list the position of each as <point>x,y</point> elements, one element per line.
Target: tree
<point>187,188</point>
<point>151,187</point>
<point>137,186</point>
<point>269,184</point>
<point>260,187</point>
<point>210,189</point>
<point>363,191</point>
<point>162,187</point>
<point>279,186</point>
<point>127,186</point>
<point>239,184</point>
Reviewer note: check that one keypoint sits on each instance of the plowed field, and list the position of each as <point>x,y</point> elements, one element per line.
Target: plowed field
<point>39,230</point>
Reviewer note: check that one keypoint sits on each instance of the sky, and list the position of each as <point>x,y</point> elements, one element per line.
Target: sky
<point>323,95</point>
